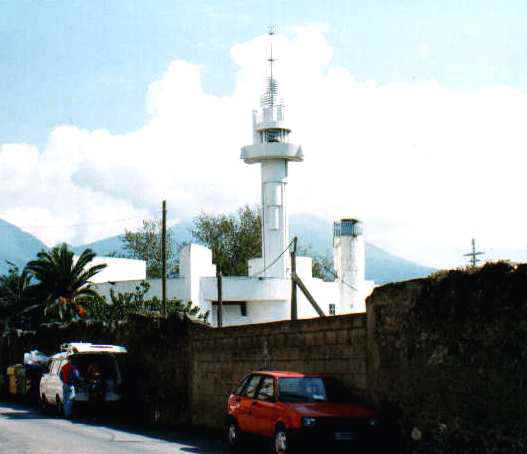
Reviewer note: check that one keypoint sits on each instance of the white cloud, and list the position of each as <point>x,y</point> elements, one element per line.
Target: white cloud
<point>436,165</point>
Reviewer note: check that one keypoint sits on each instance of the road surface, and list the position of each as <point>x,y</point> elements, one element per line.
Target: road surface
<point>23,430</point>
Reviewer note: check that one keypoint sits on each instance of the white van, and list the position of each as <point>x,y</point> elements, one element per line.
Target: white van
<point>86,358</point>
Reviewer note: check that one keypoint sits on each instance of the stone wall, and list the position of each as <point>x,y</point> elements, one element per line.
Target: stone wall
<point>222,357</point>
<point>158,361</point>
<point>448,357</point>
<point>445,357</point>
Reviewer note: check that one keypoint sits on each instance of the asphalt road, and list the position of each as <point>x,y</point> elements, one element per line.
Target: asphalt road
<point>24,430</point>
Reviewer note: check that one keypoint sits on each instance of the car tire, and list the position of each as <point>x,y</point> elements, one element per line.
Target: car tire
<point>234,434</point>
<point>43,405</point>
<point>281,441</point>
<point>60,407</point>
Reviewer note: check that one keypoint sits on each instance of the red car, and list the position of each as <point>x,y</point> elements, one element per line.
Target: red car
<point>297,410</point>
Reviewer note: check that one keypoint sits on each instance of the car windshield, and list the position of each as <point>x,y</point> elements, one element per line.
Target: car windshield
<point>313,389</point>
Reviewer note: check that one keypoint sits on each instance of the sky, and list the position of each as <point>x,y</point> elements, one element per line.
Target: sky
<point>411,116</point>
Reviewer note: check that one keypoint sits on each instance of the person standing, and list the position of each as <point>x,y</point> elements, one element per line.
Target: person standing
<point>70,377</point>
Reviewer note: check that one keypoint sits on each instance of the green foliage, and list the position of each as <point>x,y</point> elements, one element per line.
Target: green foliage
<point>233,238</point>
<point>322,267</point>
<point>61,280</point>
<point>14,297</point>
<point>145,244</point>
<point>125,304</point>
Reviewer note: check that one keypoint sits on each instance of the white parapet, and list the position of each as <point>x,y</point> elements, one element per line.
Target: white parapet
<point>259,152</point>
<point>117,269</point>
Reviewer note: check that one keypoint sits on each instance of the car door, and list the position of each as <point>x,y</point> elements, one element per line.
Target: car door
<point>47,385</point>
<point>55,383</point>
<point>245,416</point>
<point>265,410</point>
<point>43,384</point>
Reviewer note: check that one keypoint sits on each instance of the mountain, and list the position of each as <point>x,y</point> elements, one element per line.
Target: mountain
<point>17,246</point>
<point>315,236</point>
<point>383,267</point>
<point>314,233</point>
<point>114,244</point>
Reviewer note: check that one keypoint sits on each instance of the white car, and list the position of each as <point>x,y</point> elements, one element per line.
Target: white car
<point>87,358</point>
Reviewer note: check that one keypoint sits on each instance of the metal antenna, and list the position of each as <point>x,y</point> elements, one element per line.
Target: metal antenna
<point>474,255</point>
<point>271,31</point>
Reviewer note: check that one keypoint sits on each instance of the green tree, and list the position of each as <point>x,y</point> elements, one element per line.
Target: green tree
<point>322,267</point>
<point>236,237</point>
<point>145,244</point>
<point>124,304</point>
<point>233,238</point>
<point>61,280</point>
<point>14,297</point>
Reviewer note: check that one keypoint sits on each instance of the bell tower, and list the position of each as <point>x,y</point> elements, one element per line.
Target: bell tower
<point>272,149</point>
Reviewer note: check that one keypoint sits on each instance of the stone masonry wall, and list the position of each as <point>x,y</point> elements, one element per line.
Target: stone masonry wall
<point>187,370</point>
<point>222,357</point>
<point>158,361</point>
<point>445,357</point>
<point>448,358</point>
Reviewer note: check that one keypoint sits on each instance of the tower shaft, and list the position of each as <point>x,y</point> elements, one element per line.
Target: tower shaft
<point>272,149</point>
<point>275,229</point>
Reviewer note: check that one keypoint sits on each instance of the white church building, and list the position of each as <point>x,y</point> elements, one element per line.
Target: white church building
<point>265,294</point>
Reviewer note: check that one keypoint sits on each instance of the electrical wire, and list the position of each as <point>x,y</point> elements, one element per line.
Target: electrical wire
<point>274,261</point>
<point>336,277</point>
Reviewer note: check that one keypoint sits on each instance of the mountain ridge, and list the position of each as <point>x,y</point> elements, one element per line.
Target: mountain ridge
<point>17,246</point>
<point>315,238</point>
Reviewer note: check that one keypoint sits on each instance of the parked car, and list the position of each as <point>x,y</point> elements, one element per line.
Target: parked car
<point>300,410</point>
<point>98,366</point>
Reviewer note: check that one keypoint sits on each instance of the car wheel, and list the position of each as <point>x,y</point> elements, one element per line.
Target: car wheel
<point>43,405</point>
<point>281,443</point>
<point>60,407</point>
<point>234,434</point>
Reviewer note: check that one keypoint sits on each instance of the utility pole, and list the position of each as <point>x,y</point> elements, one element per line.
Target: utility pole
<point>164,258</point>
<point>220,299</point>
<point>473,255</point>
<point>294,307</point>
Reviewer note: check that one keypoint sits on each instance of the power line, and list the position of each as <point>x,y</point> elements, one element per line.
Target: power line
<point>322,265</point>
<point>336,277</point>
<point>274,261</point>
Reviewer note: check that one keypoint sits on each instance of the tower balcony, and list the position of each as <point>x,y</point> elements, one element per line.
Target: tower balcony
<point>274,150</point>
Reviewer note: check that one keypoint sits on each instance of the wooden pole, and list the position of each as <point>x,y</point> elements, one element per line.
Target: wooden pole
<point>294,307</point>
<point>220,300</point>
<point>306,292</point>
<point>164,258</point>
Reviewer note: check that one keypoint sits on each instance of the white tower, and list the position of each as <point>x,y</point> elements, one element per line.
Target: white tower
<point>273,151</point>
<point>349,260</point>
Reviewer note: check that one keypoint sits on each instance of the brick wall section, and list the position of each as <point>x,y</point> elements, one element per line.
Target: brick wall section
<point>159,357</point>
<point>222,357</point>
<point>188,370</point>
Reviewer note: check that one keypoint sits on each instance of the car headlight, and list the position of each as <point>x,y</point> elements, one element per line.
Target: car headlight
<point>308,421</point>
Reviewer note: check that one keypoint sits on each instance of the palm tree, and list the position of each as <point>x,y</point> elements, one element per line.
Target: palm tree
<point>14,297</point>
<point>61,279</point>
